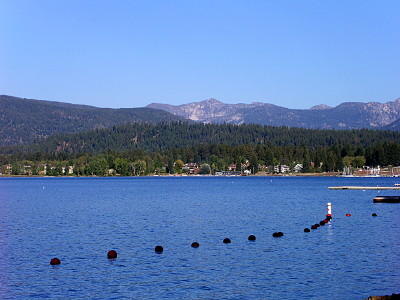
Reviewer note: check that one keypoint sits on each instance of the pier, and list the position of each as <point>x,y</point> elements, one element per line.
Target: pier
<point>364,187</point>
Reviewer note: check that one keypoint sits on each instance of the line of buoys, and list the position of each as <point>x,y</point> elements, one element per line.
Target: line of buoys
<point>328,218</point>
<point>316,225</point>
<point>112,254</point>
<point>323,222</point>
<point>159,249</point>
<point>55,261</point>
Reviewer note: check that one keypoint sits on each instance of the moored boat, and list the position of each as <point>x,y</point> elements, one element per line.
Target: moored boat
<point>387,199</point>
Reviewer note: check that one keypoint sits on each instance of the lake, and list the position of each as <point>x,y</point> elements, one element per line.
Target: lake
<point>79,220</point>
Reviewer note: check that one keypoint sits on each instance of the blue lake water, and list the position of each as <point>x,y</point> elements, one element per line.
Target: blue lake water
<point>79,219</point>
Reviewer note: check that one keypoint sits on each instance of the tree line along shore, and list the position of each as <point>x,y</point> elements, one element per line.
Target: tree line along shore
<point>379,159</point>
<point>184,148</point>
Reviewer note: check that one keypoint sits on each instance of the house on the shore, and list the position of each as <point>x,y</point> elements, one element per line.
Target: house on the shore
<point>232,168</point>
<point>6,169</point>
<point>282,169</point>
<point>297,168</point>
<point>42,169</point>
<point>27,170</point>
<point>193,168</point>
<point>68,170</point>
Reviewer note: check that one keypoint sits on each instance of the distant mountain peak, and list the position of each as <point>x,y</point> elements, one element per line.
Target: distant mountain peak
<point>320,107</point>
<point>348,115</point>
<point>213,101</point>
<point>210,102</point>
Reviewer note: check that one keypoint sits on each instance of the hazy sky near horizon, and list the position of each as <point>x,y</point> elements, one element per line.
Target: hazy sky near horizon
<point>129,53</point>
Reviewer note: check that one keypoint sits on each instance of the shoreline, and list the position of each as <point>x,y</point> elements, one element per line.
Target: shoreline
<point>330,174</point>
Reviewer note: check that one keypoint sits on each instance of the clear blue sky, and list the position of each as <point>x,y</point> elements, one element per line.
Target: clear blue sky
<point>130,53</point>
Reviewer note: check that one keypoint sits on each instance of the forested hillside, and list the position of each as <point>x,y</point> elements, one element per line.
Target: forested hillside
<point>139,149</point>
<point>225,144</point>
<point>24,121</point>
<point>165,136</point>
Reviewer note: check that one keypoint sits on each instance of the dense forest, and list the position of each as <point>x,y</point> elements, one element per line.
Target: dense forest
<point>164,136</point>
<point>24,121</point>
<point>138,149</point>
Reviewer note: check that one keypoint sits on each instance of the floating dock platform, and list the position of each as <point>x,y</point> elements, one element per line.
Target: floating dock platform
<point>364,187</point>
<point>387,199</point>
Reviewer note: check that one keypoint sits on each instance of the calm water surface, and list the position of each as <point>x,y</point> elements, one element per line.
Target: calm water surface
<point>79,219</point>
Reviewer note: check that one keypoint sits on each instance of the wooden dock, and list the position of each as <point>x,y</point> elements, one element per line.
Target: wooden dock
<point>364,187</point>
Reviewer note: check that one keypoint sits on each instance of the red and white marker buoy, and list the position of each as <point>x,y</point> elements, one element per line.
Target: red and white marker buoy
<point>329,207</point>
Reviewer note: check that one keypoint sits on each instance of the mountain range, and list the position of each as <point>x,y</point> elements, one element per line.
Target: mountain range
<point>348,115</point>
<point>23,121</point>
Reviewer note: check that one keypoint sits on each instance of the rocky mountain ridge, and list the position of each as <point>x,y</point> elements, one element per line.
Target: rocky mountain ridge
<point>348,115</point>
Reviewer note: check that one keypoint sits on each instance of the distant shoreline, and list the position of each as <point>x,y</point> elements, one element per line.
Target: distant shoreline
<point>330,174</point>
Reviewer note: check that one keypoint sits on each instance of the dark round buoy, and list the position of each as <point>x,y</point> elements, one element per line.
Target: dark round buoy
<point>159,249</point>
<point>112,254</point>
<point>314,227</point>
<point>322,223</point>
<point>326,221</point>
<point>307,230</point>
<point>55,261</point>
<point>374,215</point>
<point>316,224</point>
<point>226,241</point>
<point>195,245</point>
<point>251,237</point>
<point>348,215</point>
<point>277,234</point>
<point>329,217</point>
